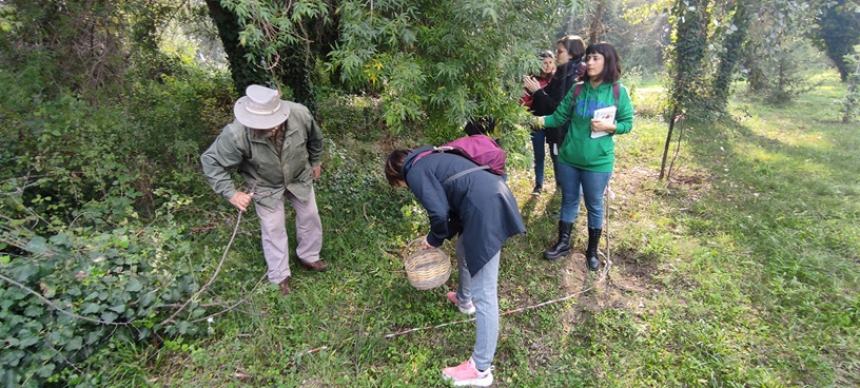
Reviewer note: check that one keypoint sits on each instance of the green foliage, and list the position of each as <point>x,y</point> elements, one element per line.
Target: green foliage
<point>80,184</point>
<point>124,277</point>
<point>851,102</point>
<point>777,50</point>
<point>735,34</point>
<point>691,19</point>
<point>359,116</point>
<point>276,41</point>
<point>436,64</point>
<point>837,30</point>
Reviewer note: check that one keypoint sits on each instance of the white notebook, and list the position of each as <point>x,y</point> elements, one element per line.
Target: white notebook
<point>603,114</point>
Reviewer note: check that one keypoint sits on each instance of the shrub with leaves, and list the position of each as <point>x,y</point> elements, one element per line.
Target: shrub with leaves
<point>91,285</point>
<point>778,49</point>
<point>437,64</point>
<point>79,260</point>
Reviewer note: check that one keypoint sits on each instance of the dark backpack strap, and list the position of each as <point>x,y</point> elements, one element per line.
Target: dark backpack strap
<point>422,152</point>
<point>616,92</point>
<point>464,172</point>
<point>577,90</point>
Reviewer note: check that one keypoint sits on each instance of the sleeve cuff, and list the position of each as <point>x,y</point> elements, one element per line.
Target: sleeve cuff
<point>433,240</point>
<point>228,193</point>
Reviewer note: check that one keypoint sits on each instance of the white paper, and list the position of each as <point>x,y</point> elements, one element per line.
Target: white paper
<point>603,114</point>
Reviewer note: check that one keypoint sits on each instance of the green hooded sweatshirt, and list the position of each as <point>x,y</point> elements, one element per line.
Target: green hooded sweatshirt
<point>579,149</point>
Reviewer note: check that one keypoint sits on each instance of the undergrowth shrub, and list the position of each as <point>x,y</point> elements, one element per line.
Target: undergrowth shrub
<point>91,191</point>
<point>357,115</point>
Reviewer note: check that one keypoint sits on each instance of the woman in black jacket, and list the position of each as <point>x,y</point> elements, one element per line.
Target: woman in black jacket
<point>569,52</point>
<point>463,198</point>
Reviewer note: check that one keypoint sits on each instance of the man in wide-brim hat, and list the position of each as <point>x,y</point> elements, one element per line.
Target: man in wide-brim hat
<point>277,147</point>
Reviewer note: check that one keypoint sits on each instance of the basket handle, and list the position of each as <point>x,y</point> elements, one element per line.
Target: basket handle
<point>417,241</point>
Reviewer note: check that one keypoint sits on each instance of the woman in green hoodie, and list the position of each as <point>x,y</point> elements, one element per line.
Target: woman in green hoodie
<point>588,153</point>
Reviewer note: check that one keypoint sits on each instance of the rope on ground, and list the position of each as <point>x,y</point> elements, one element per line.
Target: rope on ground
<point>234,305</point>
<point>214,275</point>
<point>610,195</point>
<point>603,274</point>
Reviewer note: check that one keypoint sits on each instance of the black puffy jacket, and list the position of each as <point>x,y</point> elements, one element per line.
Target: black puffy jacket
<point>547,99</point>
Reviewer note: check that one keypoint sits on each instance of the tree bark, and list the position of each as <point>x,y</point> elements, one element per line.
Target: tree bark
<point>668,142</point>
<point>243,72</point>
<point>729,57</point>
<point>596,29</point>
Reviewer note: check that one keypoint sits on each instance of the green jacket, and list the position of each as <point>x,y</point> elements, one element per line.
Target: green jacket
<point>579,149</point>
<point>258,161</point>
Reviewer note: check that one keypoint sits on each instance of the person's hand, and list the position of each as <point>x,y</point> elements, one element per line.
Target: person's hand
<point>537,122</point>
<point>241,200</point>
<point>531,84</point>
<point>316,171</point>
<point>425,244</point>
<point>602,126</point>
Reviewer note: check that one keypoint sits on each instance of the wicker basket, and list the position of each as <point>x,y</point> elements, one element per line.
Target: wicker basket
<point>428,268</point>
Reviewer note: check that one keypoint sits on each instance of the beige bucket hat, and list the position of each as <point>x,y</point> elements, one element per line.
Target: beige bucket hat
<point>261,108</point>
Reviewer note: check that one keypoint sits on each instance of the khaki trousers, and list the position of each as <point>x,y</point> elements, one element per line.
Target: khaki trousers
<point>274,232</point>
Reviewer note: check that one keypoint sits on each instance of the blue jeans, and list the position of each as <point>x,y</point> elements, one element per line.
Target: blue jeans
<point>593,185</point>
<point>539,145</point>
<point>482,290</point>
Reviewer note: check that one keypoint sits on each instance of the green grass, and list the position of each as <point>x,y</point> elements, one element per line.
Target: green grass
<point>742,271</point>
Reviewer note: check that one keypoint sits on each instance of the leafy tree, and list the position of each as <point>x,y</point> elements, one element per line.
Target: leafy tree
<point>271,44</point>
<point>244,71</point>
<point>837,30</point>
<point>597,29</point>
<point>776,49</point>
<point>689,44</point>
<point>441,63</point>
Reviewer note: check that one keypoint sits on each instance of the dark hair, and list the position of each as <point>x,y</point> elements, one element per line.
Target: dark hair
<point>574,45</point>
<point>480,126</point>
<point>611,62</point>
<point>546,54</point>
<point>394,166</point>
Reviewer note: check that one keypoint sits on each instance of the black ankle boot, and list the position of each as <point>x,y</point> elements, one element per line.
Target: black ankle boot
<point>591,259</point>
<point>561,247</point>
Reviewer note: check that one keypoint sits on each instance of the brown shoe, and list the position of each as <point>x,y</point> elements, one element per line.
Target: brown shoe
<point>285,286</point>
<point>317,266</point>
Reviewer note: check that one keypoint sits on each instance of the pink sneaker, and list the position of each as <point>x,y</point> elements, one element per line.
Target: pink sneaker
<point>466,374</point>
<point>467,309</point>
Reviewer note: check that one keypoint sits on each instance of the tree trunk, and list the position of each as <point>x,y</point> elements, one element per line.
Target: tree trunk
<point>729,57</point>
<point>596,29</point>
<point>838,31</point>
<point>295,72</point>
<point>244,73</point>
<point>668,142</point>
<point>297,61</point>
<point>691,42</point>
